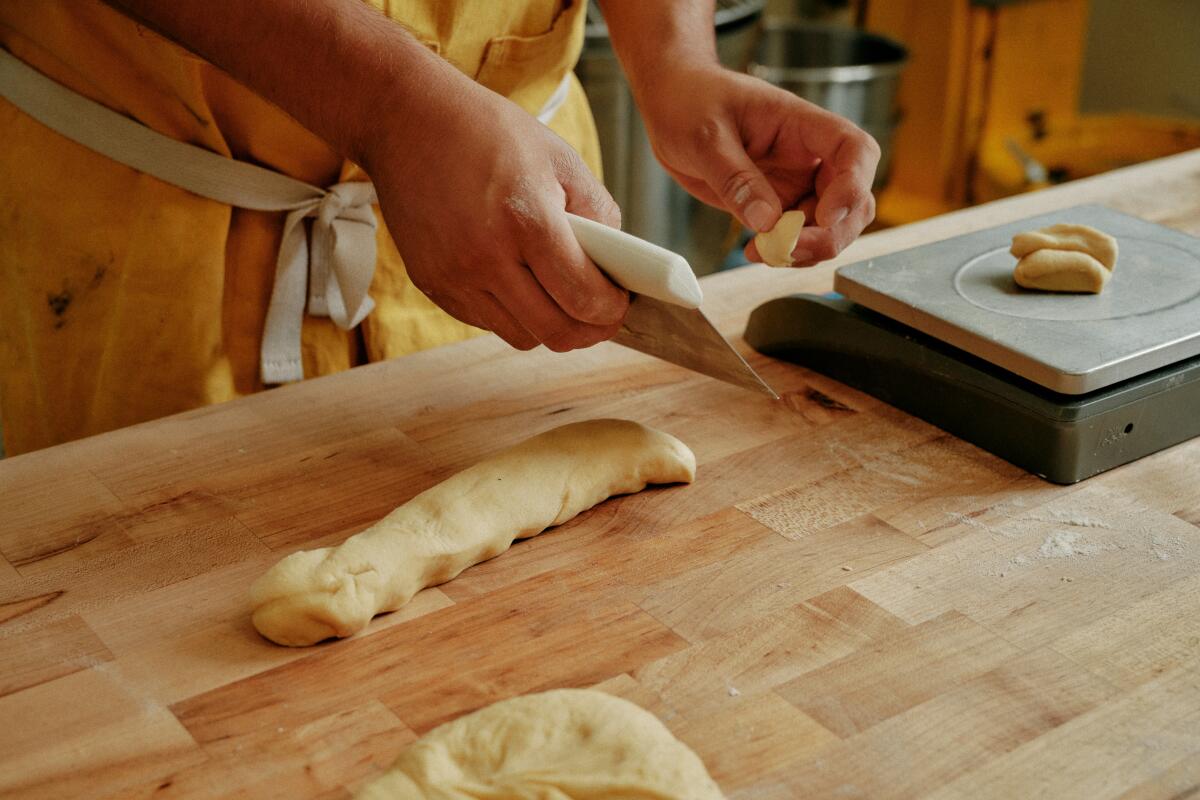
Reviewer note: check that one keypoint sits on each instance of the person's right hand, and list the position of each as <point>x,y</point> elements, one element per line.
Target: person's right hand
<point>472,188</point>
<point>474,198</point>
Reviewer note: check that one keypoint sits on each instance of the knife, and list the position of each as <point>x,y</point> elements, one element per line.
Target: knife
<point>664,319</point>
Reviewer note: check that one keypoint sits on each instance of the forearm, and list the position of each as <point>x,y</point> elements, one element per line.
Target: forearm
<point>650,35</point>
<point>472,188</point>
<point>331,64</point>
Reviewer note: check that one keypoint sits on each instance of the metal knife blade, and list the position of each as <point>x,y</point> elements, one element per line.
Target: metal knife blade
<point>664,318</point>
<point>684,336</point>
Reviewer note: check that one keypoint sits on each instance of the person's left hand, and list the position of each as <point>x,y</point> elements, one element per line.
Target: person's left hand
<point>739,143</point>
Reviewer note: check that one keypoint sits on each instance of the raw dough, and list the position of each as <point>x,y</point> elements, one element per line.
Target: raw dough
<point>1064,236</point>
<point>776,245</point>
<point>1064,258</point>
<point>1061,271</point>
<point>567,744</point>
<point>470,517</point>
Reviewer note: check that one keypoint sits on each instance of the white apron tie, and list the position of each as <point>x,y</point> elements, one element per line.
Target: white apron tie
<point>343,247</point>
<point>330,275</point>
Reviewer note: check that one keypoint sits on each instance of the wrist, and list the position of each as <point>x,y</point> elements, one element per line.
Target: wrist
<point>673,79</point>
<point>654,40</point>
<point>409,127</point>
<point>393,92</point>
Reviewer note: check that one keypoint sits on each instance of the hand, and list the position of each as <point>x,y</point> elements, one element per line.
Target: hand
<point>739,143</point>
<point>473,189</point>
<point>475,199</point>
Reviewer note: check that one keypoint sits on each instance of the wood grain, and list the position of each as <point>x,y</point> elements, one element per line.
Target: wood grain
<point>847,602</point>
<point>45,652</point>
<point>965,727</point>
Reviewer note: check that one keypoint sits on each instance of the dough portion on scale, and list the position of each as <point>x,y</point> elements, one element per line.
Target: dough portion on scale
<point>566,743</point>
<point>1064,258</point>
<point>1066,236</point>
<point>470,517</point>
<point>1061,271</point>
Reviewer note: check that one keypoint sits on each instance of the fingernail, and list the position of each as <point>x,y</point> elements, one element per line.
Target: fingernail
<point>759,215</point>
<point>836,216</point>
<point>801,256</point>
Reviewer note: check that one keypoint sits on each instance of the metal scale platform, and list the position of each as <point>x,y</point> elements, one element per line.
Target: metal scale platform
<point>1065,386</point>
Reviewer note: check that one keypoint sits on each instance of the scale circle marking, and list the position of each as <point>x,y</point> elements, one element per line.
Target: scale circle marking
<point>1150,276</point>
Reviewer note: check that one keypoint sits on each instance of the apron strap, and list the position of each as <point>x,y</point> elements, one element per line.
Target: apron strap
<point>333,273</point>
<point>552,105</point>
<point>343,235</point>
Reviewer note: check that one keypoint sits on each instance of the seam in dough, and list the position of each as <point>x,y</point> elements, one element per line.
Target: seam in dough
<point>470,517</point>
<point>1064,258</point>
<point>1067,236</point>
<point>1061,271</point>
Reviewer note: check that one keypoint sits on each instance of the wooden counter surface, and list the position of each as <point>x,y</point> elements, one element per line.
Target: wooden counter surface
<point>847,602</point>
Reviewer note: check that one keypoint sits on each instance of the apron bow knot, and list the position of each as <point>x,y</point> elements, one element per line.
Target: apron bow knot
<point>335,271</point>
<point>334,275</point>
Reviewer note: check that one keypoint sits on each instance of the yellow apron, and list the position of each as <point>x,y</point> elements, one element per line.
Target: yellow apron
<point>123,298</point>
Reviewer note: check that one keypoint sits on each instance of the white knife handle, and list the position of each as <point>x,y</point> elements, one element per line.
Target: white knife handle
<point>638,265</point>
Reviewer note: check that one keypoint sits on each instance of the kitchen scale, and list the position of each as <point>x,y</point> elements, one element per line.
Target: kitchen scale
<point>1063,385</point>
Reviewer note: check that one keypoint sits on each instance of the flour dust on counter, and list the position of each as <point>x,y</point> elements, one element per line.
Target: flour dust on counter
<point>472,516</point>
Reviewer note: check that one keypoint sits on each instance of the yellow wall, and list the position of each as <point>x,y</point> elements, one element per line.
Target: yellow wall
<point>1145,60</point>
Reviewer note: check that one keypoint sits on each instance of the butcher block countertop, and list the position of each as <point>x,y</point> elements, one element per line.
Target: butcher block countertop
<point>847,602</point>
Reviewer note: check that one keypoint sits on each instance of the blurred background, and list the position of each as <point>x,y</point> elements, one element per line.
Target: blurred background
<point>970,100</point>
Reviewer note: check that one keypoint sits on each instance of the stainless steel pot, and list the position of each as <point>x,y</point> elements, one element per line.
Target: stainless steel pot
<point>847,71</point>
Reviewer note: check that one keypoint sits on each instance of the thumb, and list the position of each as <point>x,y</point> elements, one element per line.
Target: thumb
<point>742,187</point>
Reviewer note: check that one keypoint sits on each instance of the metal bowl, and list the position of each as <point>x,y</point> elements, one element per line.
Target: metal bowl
<point>852,73</point>
<point>653,206</point>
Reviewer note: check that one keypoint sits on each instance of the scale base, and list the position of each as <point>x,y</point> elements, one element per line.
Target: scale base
<point>1063,438</point>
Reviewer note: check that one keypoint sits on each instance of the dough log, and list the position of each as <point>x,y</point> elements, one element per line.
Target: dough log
<point>1064,258</point>
<point>578,743</point>
<point>470,517</point>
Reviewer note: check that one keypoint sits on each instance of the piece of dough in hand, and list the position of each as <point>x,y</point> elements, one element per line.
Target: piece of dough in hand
<point>579,743</point>
<point>776,245</point>
<point>1061,271</point>
<point>1064,258</point>
<point>470,517</point>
